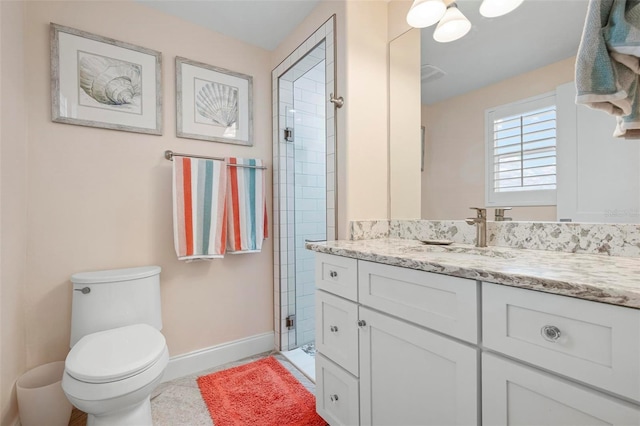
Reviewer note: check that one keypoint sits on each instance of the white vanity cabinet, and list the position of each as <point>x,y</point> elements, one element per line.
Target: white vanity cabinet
<point>379,360</point>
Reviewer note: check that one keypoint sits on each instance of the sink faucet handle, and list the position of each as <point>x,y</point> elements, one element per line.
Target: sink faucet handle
<point>500,214</point>
<point>482,212</point>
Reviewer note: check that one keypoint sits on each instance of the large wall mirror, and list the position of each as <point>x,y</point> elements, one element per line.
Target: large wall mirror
<point>502,62</point>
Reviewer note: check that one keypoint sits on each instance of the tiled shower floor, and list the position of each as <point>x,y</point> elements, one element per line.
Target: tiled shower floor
<point>178,402</point>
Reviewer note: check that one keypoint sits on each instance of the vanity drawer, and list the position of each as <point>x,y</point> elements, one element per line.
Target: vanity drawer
<point>592,342</point>
<point>337,275</point>
<point>337,330</point>
<point>337,397</point>
<point>440,302</point>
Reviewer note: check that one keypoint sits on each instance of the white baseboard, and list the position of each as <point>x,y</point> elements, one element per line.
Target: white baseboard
<point>204,359</point>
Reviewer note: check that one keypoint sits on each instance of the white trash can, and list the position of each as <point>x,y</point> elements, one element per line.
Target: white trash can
<point>41,400</point>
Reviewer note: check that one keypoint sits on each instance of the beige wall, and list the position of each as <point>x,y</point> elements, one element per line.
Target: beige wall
<point>101,199</point>
<point>404,126</point>
<point>13,206</point>
<point>366,113</point>
<point>397,10</point>
<point>454,174</point>
<point>404,115</point>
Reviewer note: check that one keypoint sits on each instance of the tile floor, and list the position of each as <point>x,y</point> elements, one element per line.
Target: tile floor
<point>178,402</point>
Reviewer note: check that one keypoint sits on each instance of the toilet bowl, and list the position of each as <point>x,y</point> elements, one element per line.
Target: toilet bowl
<point>110,374</point>
<point>118,354</point>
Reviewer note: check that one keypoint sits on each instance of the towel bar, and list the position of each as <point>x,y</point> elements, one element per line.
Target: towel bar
<point>168,154</point>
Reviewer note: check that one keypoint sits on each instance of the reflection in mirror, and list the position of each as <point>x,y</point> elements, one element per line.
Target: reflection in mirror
<point>501,63</point>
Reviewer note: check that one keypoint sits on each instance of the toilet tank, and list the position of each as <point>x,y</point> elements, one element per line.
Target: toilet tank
<point>114,298</point>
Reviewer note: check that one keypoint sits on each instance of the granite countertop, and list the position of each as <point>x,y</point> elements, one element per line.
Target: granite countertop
<point>607,279</point>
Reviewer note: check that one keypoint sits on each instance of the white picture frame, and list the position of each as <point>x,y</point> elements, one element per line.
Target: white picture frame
<point>101,82</point>
<point>213,104</point>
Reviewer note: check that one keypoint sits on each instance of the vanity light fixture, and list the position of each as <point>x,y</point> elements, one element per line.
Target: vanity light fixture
<point>452,26</point>
<point>495,8</point>
<point>424,13</point>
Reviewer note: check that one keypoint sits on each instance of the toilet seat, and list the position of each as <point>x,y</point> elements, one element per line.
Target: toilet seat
<point>116,354</point>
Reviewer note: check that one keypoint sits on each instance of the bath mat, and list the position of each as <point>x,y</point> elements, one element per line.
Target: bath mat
<point>260,393</point>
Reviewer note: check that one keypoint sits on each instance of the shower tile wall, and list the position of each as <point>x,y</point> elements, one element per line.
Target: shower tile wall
<point>284,174</point>
<point>310,190</point>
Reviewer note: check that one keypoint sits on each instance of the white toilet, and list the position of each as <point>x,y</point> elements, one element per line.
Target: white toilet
<point>118,354</point>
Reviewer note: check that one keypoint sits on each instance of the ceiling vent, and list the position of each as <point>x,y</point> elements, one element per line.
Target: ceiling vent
<point>429,73</point>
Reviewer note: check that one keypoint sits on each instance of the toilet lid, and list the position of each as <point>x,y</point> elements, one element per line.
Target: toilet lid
<point>116,354</point>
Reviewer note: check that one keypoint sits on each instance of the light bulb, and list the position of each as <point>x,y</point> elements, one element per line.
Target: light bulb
<point>452,26</point>
<point>425,12</point>
<point>495,8</point>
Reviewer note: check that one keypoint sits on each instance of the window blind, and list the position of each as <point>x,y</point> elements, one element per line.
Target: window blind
<point>524,151</point>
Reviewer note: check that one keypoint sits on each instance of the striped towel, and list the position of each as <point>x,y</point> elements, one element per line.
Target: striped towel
<point>199,208</point>
<point>607,64</point>
<point>247,207</point>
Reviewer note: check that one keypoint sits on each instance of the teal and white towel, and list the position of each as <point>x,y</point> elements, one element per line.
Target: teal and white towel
<point>247,223</point>
<point>608,62</point>
<point>199,208</point>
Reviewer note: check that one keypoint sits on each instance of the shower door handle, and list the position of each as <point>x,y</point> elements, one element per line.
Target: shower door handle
<point>338,102</point>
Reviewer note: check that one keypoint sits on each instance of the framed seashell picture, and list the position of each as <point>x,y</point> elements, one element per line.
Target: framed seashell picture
<point>213,104</point>
<point>100,82</point>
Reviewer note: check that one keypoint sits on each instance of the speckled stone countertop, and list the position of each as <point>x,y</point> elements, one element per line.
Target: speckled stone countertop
<point>607,279</point>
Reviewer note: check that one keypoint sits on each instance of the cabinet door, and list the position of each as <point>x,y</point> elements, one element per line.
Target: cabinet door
<point>411,376</point>
<point>517,395</point>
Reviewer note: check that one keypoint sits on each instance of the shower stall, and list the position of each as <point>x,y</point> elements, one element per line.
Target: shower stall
<point>304,187</point>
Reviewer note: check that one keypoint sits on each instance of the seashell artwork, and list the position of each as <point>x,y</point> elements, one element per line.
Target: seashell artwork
<point>218,104</point>
<point>110,81</point>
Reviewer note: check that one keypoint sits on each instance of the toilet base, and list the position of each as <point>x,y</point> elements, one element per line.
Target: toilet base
<point>135,415</point>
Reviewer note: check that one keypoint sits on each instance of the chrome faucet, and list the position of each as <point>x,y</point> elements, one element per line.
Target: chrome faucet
<point>481,226</point>
<point>500,214</point>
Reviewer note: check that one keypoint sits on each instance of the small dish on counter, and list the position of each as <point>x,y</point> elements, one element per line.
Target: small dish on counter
<point>436,242</point>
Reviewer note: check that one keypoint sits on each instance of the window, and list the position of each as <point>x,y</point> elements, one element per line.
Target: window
<point>521,153</point>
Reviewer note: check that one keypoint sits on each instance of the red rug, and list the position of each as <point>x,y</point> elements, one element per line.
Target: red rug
<point>259,393</point>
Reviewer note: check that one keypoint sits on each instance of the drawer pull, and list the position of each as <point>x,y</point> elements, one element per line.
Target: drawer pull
<point>333,328</point>
<point>333,274</point>
<point>333,398</point>
<point>362,323</point>
<point>550,333</point>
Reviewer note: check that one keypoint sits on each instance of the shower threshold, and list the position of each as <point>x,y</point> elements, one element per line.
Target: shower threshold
<point>303,358</point>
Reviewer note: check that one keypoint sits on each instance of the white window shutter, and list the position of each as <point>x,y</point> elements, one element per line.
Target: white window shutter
<point>521,153</point>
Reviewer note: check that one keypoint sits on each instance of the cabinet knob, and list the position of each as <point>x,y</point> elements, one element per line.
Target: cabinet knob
<point>550,333</point>
<point>333,398</point>
<point>333,274</point>
<point>362,323</point>
<point>333,328</point>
